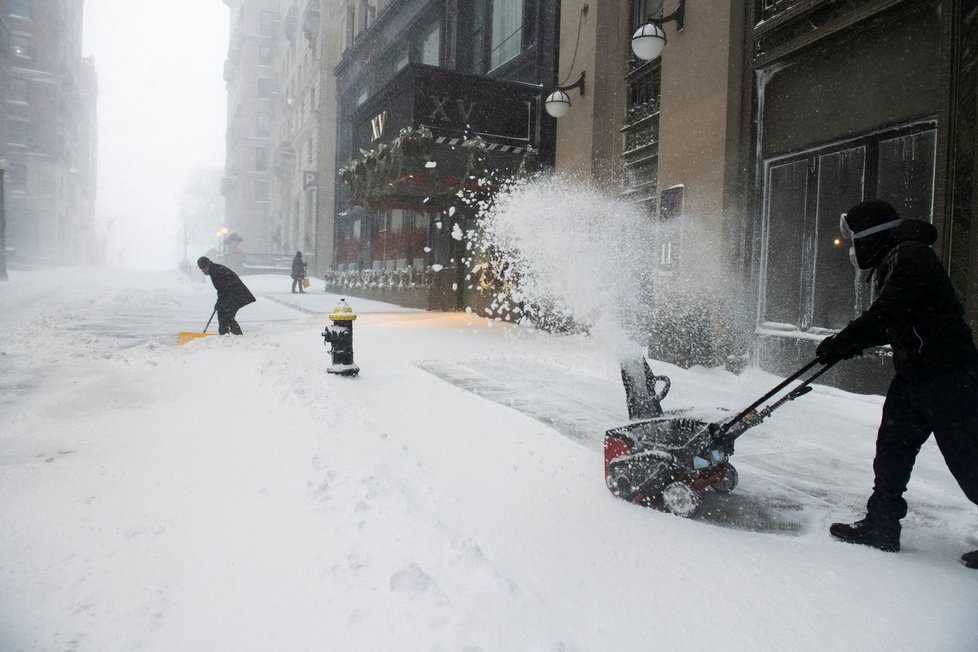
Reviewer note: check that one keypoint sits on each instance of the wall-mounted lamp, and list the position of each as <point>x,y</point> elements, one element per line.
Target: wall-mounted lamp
<point>649,40</point>
<point>558,102</point>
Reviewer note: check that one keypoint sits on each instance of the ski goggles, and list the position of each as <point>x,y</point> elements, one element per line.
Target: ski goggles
<point>848,234</point>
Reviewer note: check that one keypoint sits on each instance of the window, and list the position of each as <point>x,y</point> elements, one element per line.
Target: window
<point>261,191</point>
<point>266,22</point>
<point>17,90</point>
<point>431,46</point>
<point>19,8</point>
<point>496,32</point>
<point>264,124</point>
<point>479,47</point>
<point>808,282</point>
<point>670,229</point>
<point>20,45</point>
<point>265,55</point>
<point>265,88</point>
<point>351,24</point>
<point>506,40</point>
<point>261,159</point>
<point>642,10</point>
<point>401,60</point>
<point>368,13</point>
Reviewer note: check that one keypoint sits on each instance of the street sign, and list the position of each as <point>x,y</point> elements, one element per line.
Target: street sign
<point>310,180</point>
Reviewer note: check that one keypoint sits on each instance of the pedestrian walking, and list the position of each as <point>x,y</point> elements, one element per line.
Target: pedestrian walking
<point>935,389</point>
<point>232,294</point>
<point>298,273</point>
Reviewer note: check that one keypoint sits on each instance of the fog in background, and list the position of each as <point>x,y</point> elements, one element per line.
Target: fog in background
<point>161,116</point>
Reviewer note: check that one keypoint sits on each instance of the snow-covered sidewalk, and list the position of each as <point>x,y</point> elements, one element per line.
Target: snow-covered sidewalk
<point>231,495</point>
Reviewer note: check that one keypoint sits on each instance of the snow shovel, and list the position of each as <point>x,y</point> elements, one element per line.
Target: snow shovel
<point>185,336</point>
<point>668,460</point>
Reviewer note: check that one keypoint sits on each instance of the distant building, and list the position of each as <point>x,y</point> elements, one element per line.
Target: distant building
<point>279,170</point>
<point>296,88</point>
<point>434,98</point>
<point>48,133</point>
<point>253,94</point>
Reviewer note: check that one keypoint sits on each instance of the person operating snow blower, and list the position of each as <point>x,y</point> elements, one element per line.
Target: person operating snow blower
<point>935,389</point>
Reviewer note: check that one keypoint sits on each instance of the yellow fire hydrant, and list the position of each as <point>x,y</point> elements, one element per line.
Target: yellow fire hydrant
<point>340,335</point>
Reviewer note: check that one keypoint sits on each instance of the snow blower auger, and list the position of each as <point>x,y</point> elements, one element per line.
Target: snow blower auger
<point>664,462</point>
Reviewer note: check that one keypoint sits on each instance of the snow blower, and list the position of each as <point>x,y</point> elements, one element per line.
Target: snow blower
<point>186,336</point>
<point>663,461</point>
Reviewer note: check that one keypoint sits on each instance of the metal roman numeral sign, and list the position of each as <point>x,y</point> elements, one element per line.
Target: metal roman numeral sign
<point>440,111</point>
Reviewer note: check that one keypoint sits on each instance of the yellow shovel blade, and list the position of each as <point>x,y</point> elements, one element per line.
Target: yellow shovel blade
<point>186,336</point>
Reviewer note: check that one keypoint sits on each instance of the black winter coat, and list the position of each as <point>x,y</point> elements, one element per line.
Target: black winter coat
<point>916,311</point>
<point>298,268</point>
<point>232,294</point>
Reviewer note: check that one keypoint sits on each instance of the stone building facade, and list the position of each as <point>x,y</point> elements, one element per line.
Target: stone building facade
<point>48,134</point>
<point>758,125</point>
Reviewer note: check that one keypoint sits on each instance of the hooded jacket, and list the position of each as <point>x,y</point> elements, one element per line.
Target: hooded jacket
<point>916,311</point>
<point>298,267</point>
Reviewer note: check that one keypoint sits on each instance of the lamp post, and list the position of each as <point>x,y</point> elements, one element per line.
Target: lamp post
<point>221,235</point>
<point>3,224</point>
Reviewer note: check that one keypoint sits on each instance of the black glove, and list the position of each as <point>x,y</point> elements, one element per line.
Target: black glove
<point>837,347</point>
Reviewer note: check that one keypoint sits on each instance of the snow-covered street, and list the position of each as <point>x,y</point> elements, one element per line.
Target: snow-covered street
<point>229,494</point>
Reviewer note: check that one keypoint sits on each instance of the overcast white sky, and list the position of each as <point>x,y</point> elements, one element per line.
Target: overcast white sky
<point>161,112</point>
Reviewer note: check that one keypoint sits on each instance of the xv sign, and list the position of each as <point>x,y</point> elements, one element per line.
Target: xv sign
<point>463,109</point>
<point>377,124</point>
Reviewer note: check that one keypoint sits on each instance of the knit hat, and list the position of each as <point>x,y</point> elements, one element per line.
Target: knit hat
<point>868,214</point>
<point>869,225</point>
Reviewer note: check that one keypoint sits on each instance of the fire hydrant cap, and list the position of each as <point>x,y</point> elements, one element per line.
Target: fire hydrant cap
<point>342,312</point>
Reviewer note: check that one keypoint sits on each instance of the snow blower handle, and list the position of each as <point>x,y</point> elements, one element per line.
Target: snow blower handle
<point>749,415</point>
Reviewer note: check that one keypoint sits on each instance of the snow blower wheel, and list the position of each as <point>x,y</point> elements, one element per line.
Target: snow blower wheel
<point>728,482</point>
<point>680,499</point>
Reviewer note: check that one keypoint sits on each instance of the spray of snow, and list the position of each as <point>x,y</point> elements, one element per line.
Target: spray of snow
<point>576,255</point>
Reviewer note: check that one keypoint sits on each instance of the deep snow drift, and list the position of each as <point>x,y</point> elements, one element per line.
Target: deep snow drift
<point>231,495</point>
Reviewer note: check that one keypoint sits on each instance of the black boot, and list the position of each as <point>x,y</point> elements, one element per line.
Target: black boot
<point>970,559</point>
<point>884,535</point>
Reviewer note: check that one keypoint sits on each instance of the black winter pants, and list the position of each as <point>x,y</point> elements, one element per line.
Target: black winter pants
<point>946,405</point>
<point>226,321</point>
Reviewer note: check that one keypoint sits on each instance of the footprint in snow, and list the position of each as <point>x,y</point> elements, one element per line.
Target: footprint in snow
<point>319,492</point>
<point>411,579</point>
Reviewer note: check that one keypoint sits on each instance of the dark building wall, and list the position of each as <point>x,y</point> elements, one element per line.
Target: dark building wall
<point>885,74</point>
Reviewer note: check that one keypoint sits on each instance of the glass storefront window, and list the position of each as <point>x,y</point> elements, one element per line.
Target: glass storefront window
<point>840,185</point>
<point>785,209</point>
<point>807,281</point>
<point>906,173</point>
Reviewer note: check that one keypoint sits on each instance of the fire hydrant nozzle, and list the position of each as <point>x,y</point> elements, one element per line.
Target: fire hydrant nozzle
<point>340,335</point>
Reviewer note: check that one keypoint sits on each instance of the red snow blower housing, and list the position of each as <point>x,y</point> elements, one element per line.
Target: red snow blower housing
<point>665,461</point>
